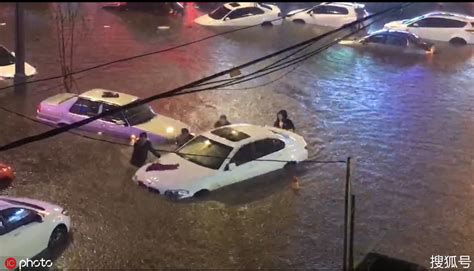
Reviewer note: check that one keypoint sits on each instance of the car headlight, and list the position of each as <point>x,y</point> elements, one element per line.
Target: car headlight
<point>170,130</point>
<point>177,194</point>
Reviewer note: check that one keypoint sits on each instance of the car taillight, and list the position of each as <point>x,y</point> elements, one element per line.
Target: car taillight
<point>38,108</point>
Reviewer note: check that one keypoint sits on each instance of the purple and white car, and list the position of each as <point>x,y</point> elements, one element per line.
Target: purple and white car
<point>67,108</point>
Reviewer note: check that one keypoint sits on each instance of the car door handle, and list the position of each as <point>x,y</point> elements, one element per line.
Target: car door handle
<point>16,234</point>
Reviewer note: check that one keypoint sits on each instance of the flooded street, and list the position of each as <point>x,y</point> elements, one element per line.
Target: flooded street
<point>406,121</point>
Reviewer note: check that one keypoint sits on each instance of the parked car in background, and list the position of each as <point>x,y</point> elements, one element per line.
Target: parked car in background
<point>6,175</point>
<point>392,40</point>
<point>7,64</point>
<point>454,28</point>
<point>28,227</point>
<point>333,14</point>
<point>221,157</point>
<point>242,14</point>
<point>67,108</point>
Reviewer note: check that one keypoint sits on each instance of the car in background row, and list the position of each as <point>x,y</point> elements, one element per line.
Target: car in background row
<point>332,14</point>
<point>29,227</point>
<point>242,14</point>
<point>67,108</point>
<point>6,176</point>
<point>221,157</point>
<point>454,28</point>
<point>7,64</point>
<point>392,40</point>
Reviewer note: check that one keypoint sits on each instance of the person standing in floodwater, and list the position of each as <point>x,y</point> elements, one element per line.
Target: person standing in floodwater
<point>283,122</point>
<point>141,149</point>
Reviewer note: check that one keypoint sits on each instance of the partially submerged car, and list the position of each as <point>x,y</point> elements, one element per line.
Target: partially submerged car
<point>457,29</point>
<point>392,40</point>
<point>29,227</point>
<point>7,65</point>
<point>332,14</point>
<point>221,157</point>
<point>242,14</point>
<point>67,108</point>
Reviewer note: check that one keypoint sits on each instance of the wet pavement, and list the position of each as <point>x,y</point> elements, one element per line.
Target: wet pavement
<point>407,122</point>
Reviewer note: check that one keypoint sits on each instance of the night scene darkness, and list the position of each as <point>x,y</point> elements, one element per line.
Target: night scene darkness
<point>240,135</point>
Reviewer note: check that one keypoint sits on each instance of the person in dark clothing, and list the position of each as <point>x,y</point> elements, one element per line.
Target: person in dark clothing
<point>141,149</point>
<point>222,121</point>
<point>184,137</point>
<point>283,122</point>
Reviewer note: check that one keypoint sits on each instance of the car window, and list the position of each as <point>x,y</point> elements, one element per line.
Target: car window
<point>205,152</point>
<point>219,13</point>
<point>5,57</point>
<point>268,146</point>
<point>379,38</point>
<point>438,22</point>
<point>396,40</point>
<point>2,227</point>
<point>244,12</point>
<point>17,217</point>
<point>114,117</point>
<point>331,10</point>
<point>360,13</point>
<point>139,114</point>
<point>246,153</point>
<point>85,107</point>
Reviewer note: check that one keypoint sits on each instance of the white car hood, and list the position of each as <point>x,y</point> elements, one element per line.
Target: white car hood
<point>8,71</point>
<point>293,12</point>
<point>187,176</point>
<point>395,25</point>
<point>205,20</point>
<point>159,125</point>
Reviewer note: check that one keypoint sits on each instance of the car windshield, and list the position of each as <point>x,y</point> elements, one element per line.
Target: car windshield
<point>139,114</point>
<point>219,13</point>
<point>5,57</point>
<point>205,152</point>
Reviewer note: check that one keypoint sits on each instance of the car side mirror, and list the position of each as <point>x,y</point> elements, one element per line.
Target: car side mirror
<point>230,167</point>
<point>415,25</point>
<point>226,18</point>
<point>38,218</point>
<point>120,122</point>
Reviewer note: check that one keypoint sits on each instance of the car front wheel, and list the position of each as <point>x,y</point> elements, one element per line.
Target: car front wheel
<point>458,42</point>
<point>58,238</point>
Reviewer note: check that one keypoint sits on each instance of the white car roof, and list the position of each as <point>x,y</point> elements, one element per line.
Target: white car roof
<point>97,95</point>
<point>236,5</point>
<point>448,15</point>
<point>255,132</point>
<point>343,4</point>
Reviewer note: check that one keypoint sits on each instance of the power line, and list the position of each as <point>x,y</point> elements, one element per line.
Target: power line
<point>140,55</point>
<point>172,92</point>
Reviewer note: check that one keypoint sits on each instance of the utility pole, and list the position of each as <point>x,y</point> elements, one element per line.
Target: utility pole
<point>348,223</point>
<point>20,77</point>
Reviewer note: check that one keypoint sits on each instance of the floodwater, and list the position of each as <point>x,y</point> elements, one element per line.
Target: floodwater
<point>407,122</point>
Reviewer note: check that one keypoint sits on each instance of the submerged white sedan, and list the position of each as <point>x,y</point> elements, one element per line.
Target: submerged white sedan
<point>28,227</point>
<point>221,157</point>
<point>7,64</point>
<point>242,14</point>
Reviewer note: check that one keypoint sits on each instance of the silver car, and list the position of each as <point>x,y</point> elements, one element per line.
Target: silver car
<point>67,108</point>
<point>392,40</point>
